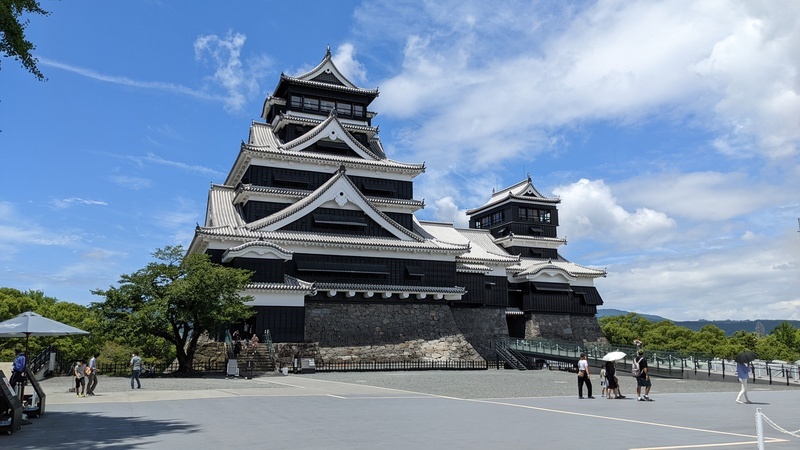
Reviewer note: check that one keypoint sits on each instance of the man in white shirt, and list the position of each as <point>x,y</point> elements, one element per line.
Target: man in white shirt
<point>136,366</point>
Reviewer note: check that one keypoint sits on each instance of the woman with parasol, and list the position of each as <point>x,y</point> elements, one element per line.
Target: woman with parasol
<point>743,361</point>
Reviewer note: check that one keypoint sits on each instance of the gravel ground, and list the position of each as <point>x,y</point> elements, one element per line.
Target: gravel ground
<point>460,384</point>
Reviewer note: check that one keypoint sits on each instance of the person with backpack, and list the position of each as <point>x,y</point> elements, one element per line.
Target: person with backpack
<point>640,371</point>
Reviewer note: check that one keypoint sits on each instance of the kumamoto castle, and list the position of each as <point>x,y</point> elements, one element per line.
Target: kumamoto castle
<point>325,220</point>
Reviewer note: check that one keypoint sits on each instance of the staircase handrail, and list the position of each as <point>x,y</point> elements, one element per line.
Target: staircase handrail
<point>270,348</point>
<point>229,344</point>
<point>42,358</point>
<point>502,349</point>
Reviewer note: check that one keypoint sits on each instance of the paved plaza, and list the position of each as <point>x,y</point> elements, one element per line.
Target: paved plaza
<point>401,410</point>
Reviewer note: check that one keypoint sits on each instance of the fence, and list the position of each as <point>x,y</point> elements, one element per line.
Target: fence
<point>160,368</point>
<point>375,366</point>
<point>660,362</point>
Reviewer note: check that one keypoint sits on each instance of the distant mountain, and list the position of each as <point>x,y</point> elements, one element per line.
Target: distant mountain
<point>728,326</point>
<point>618,312</point>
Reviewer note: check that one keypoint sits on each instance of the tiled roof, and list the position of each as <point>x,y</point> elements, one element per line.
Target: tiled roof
<point>217,216</point>
<point>260,247</point>
<point>289,284</point>
<point>530,267</point>
<point>288,117</point>
<point>325,158</point>
<point>481,247</point>
<point>524,190</point>
<point>310,199</point>
<point>548,241</point>
<point>329,240</point>
<point>389,288</point>
<point>329,86</point>
<point>473,268</point>
<point>261,135</point>
<point>327,66</point>
<point>327,125</point>
<point>296,194</point>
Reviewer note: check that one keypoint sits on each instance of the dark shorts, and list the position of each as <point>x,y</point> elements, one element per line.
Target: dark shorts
<point>79,382</point>
<point>643,382</point>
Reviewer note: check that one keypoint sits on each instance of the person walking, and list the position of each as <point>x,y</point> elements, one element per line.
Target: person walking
<point>136,370</point>
<point>91,380</point>
<point>18,368</point>
<point>583,377</point>
<point>603,381</point>
<point>643,377</point>
<point>743,372</point>
<point>612,382</point>
<point>80,378</point>
<point>254,342</point>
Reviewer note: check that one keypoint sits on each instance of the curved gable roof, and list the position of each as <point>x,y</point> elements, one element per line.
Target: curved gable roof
<point>330,129</point>
<point>340,190</point>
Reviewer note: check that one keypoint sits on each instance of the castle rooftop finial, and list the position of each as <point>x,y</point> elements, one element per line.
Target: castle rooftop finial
<point>328,50</point>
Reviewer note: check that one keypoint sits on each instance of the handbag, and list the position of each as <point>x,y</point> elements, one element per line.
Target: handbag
<point>581,374</point>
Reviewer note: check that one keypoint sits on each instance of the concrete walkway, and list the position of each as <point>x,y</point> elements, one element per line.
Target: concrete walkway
<point>317,412</point>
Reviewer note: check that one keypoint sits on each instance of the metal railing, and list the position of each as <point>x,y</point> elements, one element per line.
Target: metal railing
<point>160,368</point>
<point>660,362</point>
<point>270,347</point>
<point>375,366</point>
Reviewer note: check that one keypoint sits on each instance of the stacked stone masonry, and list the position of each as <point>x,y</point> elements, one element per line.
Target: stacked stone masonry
<point>393,332</point>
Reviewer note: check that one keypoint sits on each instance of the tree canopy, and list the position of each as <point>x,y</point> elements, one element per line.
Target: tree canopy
<point>12,33</point>
<point>14,302</point>
<point>177,299</point>
<point>783,343</point>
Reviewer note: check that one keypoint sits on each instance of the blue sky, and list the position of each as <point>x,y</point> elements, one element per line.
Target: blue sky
<point>670,130</point>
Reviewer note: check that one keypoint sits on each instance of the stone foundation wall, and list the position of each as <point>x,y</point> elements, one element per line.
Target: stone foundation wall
<point>564,326</point>
<point>389,332</point>
<point>480,326</point>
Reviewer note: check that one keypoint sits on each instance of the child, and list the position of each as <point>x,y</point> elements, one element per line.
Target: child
<point>80,380</point>
<point>603,382</point>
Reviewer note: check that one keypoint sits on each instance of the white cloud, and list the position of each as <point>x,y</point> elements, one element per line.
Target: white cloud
<point>239,80</point>
<point>346,62</point>
<point>741,281</point>
<point>134,183</point>
<point>125,81</point>
<point>63,203</point>
<point>589,210</point>
<point>446,210</point>
<point>17,231</point>
<point>707,195</point>
<point>155,159</point>
<point>731,68</point>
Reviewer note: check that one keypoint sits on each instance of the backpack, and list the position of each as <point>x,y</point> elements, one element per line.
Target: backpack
<point>635,370</point>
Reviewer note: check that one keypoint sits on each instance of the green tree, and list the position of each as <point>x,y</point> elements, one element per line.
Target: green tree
<point>786,334</point>
<point>176,298</point>
<point>14,302</point>
<point>12,32</point>
<point>622,330</point>
<point>770,348</point>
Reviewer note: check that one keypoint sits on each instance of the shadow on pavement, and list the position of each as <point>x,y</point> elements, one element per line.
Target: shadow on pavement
<point>92,431</point>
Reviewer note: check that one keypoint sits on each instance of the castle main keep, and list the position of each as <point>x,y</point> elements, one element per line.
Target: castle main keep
<point>325,220</point>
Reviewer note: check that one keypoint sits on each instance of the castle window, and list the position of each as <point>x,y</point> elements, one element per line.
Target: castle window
<point>311,104</point>
<point>296,101</point>
<point>358,111</point>
<point>344,108</point>
<point>534,215</point>
<point>338,267</point>
<point>326,106</point>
